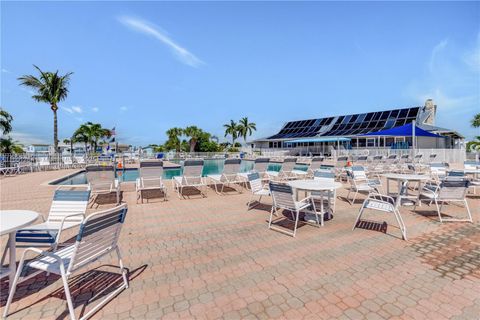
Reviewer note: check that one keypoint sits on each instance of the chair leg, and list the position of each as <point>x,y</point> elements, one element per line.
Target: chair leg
<point>122,268</point>
<point>399,219</point>
<point>468,211</point>
<point>296,223</point>
<point>271,216</point>
<point>67,292</point>
<point>358,217</point>
<point>354,197</point>
<point>438,210</point>
<point>13,288</point>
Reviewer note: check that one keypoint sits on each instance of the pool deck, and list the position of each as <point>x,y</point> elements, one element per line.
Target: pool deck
<point>210,258</point>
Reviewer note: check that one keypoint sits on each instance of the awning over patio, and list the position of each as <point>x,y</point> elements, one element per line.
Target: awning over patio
<point>320,139</point>
<point>402,131</point>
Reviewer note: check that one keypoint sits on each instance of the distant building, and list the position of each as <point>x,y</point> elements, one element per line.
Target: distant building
<point>346,131</point>
<point>39,148</point>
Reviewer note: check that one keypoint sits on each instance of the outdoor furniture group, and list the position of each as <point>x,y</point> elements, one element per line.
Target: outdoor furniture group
<point>308,192</point>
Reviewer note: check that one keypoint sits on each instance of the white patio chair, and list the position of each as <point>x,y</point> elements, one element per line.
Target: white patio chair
<point>315,164</point>
<point>67,211</point>
<point>101,180</point>
<point>438,171</point>
<point>97,238</point>
<point>283,198</point>
<point>382,203</point>
<point>67,162</point>
<point>191,177</point>
<point>285,172</point>
<point>80,161</point>
<point>448,191</point>
<point>150,178</point>
<point>340,168</point>
<point>260,165</point>
<point>257,187</point>
<point>229,175</point>
<point>359,183</point>
<point>44,163</point>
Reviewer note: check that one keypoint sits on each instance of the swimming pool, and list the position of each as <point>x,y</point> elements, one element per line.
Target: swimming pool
<point>129,175</point>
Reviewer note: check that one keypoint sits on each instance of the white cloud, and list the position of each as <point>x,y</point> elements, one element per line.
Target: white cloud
<point>472,57</point>
<point>72,110</point>
<point>435,51</point>
<point>95,109</point>
<point>26,138</point>
<point>448,102</point>
<point>123,109</point>
<point>5,70</point>
<point>148,28</point>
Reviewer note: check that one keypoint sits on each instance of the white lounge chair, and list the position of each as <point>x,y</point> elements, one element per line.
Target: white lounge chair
<point>382,203</point>
<point>150,178</point>
<point>191,177</point>
<point>97,238</point>
<point>101,180</point>
<point>229,176</point>
<point>285,172</point>
<point>67,162</point>
<point>257,187</point>
<point>44,163</point>
<point>80,161</point>
<point>260,165</point>
<point>67,211</point>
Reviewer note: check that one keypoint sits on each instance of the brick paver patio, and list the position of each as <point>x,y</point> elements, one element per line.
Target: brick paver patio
<point>210,258</point>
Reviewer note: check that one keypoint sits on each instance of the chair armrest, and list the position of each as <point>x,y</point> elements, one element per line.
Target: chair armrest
<point>40,252</point>
<point>381,197</point>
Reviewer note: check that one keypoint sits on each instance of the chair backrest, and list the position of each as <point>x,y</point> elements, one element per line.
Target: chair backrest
<point>255,182</point>
<point>316,163</point>
<point>471,164</point>
<point>455,175</point>
<point>151,169</point>
<point>100,174</point>
<point>192,171</point>
<point>432,156</point>
<point>231,166</point>
<point>261,164</point>
<point>67,160</point>
<point>358,173</point>
<point>324,175</point>
<point>412,168</point>
<point>98,236</point>
<point>392,157</point>
<point>453,189</point>
<point>362,159</point>
<point>377,158</point>
<point>80,160</point>
<point>282,195</point>
<point>288,164</point>
<point>66,202</point>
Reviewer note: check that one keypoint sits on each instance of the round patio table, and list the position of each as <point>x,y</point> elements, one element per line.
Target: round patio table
<point>403,180</point>
<point>309,185</point>
<point>11,221</point>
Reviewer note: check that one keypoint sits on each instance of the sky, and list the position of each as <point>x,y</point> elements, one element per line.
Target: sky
<point>144,67</point>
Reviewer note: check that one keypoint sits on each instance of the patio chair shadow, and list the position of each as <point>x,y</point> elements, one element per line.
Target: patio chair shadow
<point>372,225</point>
<point>191,191</point>
<point>359,200</point>
<point>109,198</point>
<point>284,220</point>
<point>226,190</point>
<point>153,194</point>
<point>85,288</point>
<point>260,206</point>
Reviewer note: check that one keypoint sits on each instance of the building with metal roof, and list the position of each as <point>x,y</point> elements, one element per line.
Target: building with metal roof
<point>349,130</point>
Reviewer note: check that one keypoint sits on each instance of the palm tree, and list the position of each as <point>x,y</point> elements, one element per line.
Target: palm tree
<point>195,134</point>
<point>7,145</point>
<point>246,128</point>
<point>5,121</point>
<point>173,138</point>
<point>232,130</point>
<point>476,121</point>
<point>51,88</point>
<point>90,133</point>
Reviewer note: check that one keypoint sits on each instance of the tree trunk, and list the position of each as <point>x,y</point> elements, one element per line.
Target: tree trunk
<point>55,129</point>
<point>192,146</point>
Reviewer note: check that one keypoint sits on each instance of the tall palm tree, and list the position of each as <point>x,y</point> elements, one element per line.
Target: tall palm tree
<point>51,88</point>
<point>232,130</point>
<point>173,138</point>
<point>5,121</point>
<point>476,121</point>
<point>246,128</point>
<point>195,134</point>
<point>90,133</point>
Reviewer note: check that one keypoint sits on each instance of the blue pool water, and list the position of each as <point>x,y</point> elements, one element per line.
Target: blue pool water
<point>210,167</point>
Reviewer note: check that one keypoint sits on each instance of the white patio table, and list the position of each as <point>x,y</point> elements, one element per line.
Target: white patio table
<point>10,222</point>
<point>403,180</point>
<point>309,185</point>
